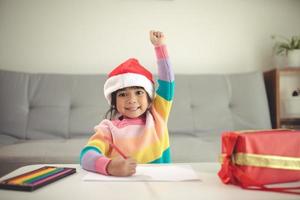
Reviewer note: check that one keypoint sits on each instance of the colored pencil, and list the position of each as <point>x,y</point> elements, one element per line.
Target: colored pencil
<point>37,178</point>
<point>51,177</point>
<point>29,176</point>
<point>115,147</point>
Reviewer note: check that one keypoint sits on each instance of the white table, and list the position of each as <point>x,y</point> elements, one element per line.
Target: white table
<point>72,187</point>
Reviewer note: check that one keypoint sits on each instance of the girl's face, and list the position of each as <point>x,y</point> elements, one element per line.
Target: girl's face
<point>132,102</point>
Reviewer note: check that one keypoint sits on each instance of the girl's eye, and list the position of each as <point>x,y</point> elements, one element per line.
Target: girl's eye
<point>140,92</point>
<point>121,94</point>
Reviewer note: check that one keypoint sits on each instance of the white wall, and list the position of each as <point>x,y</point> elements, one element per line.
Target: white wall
<point>90,36</point>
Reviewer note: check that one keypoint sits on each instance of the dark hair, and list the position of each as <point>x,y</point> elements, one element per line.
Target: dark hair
<point>112,111</point>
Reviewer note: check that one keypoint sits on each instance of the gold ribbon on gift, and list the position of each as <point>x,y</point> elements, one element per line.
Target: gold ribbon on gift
<point>269,161</point>
<point>266,130</point>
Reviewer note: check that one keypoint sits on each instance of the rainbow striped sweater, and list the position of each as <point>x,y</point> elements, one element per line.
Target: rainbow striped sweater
<point>144,139</point>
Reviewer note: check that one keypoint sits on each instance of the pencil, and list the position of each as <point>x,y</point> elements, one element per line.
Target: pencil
<point>115,147</point>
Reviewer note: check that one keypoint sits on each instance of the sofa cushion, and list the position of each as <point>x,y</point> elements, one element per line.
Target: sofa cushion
<point>207,103</point>
<point>43,151</point>
<point>6,140</point>
<point>197,147</point>
<point>25,152</point>
<point>52,106</point>
<point>13,103</point>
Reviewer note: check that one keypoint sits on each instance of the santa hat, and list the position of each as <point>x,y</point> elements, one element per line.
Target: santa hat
<point>128,74</point>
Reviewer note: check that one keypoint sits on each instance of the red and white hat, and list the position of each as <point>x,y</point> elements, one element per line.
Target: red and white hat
<point>128,74</point>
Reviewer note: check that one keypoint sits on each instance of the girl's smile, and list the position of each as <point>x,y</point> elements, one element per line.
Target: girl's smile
<point>133,108</point>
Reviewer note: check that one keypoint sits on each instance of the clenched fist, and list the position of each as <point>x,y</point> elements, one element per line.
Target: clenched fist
<point>157,38</point>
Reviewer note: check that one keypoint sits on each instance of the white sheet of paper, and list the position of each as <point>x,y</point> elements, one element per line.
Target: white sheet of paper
<point>165,172</point>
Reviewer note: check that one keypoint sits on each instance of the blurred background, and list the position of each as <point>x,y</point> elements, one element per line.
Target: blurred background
<point>93,36</point>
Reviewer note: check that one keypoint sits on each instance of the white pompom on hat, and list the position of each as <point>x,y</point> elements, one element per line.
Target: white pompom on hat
<point>128,74</point>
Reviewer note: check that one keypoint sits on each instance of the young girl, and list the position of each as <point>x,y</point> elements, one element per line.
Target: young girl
<point>138,117</point>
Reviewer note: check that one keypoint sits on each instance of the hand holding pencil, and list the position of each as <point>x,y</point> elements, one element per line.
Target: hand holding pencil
<point>121,165</point>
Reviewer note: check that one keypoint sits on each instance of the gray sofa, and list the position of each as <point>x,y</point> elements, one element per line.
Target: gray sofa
<point>47,118</point>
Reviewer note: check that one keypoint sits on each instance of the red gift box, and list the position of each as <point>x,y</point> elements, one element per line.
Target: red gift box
<point>257,158</point>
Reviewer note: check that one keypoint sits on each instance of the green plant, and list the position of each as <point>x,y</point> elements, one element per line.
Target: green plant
<point>283,44</point>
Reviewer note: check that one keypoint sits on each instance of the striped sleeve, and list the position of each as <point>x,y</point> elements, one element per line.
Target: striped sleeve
<point>92,156</point>
<point>166,84</point>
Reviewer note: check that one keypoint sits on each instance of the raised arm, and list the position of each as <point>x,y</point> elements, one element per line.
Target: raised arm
<point>165,90</point>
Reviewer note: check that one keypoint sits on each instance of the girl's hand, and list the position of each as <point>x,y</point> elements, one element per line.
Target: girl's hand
<point>121,167</point>
<point>157,38</point>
